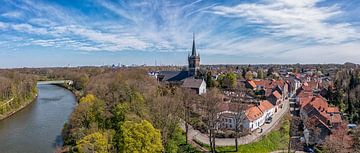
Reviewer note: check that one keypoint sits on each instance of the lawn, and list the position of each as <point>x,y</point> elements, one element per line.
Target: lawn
<point>275,140</point>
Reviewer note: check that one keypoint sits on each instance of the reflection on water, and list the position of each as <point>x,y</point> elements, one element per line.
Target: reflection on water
<point>37,128</point>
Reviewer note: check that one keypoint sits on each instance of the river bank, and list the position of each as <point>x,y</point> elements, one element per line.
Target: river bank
<point>22,106</point>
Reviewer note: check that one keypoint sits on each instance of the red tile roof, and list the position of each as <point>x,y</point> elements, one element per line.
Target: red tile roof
<point>323,111</point>
<point>333,110</point>
<point>253,113</point>
<point>265,105</point>
<point>277,94</point>
<point>252,83</point>
<point>304,101</point>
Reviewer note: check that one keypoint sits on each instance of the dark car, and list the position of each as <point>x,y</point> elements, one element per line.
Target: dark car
<point>268,120</point>
<point>309,150</point>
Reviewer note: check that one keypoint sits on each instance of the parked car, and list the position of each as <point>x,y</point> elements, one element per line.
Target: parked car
<point>268,120</point>
<point>309,150</point>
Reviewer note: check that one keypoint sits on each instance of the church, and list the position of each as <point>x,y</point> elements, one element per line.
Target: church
<point>186,78</point>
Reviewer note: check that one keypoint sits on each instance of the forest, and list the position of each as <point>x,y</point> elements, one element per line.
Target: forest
<point>121,111</point>
<point>16,90</point>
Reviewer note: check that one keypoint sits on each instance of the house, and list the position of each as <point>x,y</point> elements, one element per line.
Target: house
<point>198,85</point>
<point>275,99</point>
<point>254,118</point>
<point>255,115</point>
<point>317,111</point>
<point>266,87</point>
<point>227,114</point>
<point>267,108</point>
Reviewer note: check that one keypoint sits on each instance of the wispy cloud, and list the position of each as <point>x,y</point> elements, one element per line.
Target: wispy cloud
<point>12,14</point>
<point>266,28</point>
<point>299,19</point>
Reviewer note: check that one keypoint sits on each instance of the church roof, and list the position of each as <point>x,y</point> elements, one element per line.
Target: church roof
<point>192,83</point>
<point>173,75</point>
<point>193,52</point>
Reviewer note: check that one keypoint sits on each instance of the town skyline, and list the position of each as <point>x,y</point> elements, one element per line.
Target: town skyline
<point>94,33</point>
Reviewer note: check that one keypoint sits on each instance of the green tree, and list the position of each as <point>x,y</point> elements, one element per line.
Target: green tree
<point>260,73</point>
<point>95,143</point>
<point>228,80</point>
<point>141,137</point>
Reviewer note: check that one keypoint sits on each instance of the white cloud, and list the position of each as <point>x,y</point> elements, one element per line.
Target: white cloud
<point>28,28</point>
<point>300,19</point>
<point>339,53</point>
<point>12,14</point>
<point>3,25</point>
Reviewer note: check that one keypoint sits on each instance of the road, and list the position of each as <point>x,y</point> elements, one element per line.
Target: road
<point>203,138</point>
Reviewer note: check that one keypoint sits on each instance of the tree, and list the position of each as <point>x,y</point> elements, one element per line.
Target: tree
<point>270,71</point>
<point>249,75</point>
<point>239,118</point>
<point>211,100</point>
<point>356,139</point>
<point>141,137</point>
<point>339,141</point>
<point>209,81</point>
<point>96,143</point>
<point>228,81</point>
<point>260,73</point>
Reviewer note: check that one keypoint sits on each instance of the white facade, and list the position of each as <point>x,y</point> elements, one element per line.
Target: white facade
<point>227,120</point>
<point>202,88</point>
<point>255,124</point>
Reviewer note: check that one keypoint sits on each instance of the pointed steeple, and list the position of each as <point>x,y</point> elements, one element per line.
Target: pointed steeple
<point>193,53</point>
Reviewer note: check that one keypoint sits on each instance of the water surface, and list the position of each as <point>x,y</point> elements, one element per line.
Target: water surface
<point>37,128</point>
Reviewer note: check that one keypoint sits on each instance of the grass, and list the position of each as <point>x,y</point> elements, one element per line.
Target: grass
<point>275,140</point>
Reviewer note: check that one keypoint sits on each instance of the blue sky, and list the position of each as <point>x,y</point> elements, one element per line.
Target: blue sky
<point>94,32</point>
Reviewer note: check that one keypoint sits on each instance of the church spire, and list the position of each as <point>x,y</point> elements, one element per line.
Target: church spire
<point>193,53</point>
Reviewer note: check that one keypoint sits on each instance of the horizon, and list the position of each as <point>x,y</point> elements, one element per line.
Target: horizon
<point>46,33</point>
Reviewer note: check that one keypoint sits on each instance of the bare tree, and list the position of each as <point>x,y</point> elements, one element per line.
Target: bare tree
<point>187,98</point>
<point>339,141</point>
<point>211,100</point>
<point>239,118</point>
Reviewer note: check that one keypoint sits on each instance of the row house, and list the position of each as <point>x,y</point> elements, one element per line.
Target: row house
<point>317,112</point>
<point>255,115</point>
<point>266,87</point>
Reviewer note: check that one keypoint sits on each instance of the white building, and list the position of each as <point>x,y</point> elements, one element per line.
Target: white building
<point>198,85</point>
<point>255,116</point>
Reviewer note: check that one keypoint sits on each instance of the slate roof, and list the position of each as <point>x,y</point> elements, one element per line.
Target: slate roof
<point>172,76</point>
<point>192,83</point>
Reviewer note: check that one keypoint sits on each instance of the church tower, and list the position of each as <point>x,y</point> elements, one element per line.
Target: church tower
<point>194,60</point>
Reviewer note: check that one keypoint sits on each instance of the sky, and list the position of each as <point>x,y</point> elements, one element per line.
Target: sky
<point>43,33</point>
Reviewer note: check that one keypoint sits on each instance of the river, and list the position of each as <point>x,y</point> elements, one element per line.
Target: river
<point>37,128</point>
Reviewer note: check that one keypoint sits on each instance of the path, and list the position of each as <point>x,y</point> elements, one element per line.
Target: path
<point>7,102</point>
<point>203,138</point>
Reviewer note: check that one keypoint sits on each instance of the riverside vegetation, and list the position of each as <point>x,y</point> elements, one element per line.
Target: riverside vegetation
<point>123,111</point>
<point>16,91</point>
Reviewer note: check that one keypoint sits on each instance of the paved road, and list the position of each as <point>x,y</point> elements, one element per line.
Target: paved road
<point>203,138</point>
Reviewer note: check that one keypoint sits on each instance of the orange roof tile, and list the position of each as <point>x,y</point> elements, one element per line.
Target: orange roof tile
<point>304,101</point>
<point>265,105</point>
<point>333,110</point>
<point>252,83</point>
<point>253,113</point>
<point>277,94</point>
